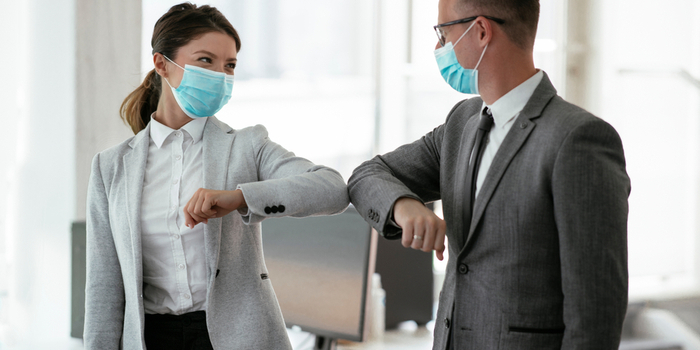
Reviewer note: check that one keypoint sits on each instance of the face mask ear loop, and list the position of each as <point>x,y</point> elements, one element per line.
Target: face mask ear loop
<point>482,56</point>
<point>463,34</point>
<point>171,61</point>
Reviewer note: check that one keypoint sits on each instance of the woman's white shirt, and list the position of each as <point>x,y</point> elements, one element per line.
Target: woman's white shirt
<point>174,264</point>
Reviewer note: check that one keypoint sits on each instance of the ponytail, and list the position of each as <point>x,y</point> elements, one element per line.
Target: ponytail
<point>137,108</point>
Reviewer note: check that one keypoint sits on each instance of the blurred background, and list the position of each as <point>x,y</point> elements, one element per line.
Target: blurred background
<point>336,82</point>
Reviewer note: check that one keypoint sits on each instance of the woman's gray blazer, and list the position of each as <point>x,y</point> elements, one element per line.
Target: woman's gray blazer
<point>242,310</point>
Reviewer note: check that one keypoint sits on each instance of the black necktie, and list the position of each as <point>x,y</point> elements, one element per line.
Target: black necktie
<point>485,124</point>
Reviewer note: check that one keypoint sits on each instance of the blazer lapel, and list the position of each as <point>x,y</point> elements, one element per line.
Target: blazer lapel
<point>518,134</point>
<point>135,168</point>
<point>468,139</point>
<point>218,138</point>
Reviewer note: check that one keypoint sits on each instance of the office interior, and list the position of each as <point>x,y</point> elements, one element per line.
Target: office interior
<point>338,82</point>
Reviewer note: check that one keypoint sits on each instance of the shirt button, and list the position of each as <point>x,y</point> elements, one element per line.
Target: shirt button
<point>172,208</point>
<point>175,181</point>
<point>178,157</point>
<point>187,296</point>
<point>181,266</point>
<point>176,236</point>
<point>178,134</point>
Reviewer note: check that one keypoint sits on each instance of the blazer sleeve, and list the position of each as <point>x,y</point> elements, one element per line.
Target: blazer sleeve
<point>590,188</point>
<point>412,170</point>
<point>104,289</point>
<point>289,185</point>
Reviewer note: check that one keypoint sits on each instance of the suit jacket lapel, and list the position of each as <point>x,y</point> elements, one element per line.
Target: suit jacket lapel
<point>218,138</point>
<point>468,140</point>
<point>135,168</point>
<point>518,134</point>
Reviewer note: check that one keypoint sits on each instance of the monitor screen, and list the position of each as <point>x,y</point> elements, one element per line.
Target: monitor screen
<point>319,267</point>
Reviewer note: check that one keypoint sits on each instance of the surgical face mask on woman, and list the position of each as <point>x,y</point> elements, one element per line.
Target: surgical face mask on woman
<point>202,92</point>
<point>461,79</point>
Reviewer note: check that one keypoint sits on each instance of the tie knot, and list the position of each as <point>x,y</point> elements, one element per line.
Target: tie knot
<point>486,121</point>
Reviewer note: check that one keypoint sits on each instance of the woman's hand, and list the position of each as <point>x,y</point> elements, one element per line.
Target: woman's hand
<point>208,204</point>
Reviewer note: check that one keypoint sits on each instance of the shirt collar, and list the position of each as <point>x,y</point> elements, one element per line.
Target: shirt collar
<point>510,104</point>
<point>159,132</point>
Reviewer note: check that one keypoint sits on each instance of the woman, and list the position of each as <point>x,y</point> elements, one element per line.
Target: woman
<point>156,277</point>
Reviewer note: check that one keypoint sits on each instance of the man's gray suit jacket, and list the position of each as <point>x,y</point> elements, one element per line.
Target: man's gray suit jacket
<point>543,264</point>
<point>242,310</point>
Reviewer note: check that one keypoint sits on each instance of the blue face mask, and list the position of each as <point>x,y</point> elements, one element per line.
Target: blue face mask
<point>463,80</point>
<point>202,92</point>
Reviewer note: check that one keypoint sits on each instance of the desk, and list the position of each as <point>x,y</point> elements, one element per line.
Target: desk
<point>408,338</point>
<point>401,339</point>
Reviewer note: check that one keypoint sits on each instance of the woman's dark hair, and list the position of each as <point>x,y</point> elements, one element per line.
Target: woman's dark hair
<point>181,24</point>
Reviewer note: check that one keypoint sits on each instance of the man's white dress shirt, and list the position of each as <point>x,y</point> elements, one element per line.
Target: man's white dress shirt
<point>174,266</point>
<point>504,111</point>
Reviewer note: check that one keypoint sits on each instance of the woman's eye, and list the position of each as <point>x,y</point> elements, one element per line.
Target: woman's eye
<point>232,66</point>
<point>205,59</point>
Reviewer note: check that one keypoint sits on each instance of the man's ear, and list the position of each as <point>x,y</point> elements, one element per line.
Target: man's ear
<point>484,31</point>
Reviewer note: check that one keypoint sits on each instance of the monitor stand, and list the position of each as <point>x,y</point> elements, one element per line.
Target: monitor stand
<point>325,343</point>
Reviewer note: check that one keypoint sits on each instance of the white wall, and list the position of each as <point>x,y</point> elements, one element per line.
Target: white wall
<point>39,155</point>
<point>60,106</point>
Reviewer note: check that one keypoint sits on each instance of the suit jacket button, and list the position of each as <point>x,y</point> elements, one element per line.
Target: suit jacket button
<point>463,269</point>
<point>281,208</point>
<point>274,209</point>
<point>268,210</point>
<point>447,323</point>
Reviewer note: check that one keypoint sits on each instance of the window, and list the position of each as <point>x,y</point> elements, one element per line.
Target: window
<point>305,72</point>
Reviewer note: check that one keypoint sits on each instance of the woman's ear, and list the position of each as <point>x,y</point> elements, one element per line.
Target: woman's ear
<point>159,64</point>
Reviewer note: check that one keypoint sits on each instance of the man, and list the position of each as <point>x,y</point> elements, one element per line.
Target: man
<point>534,193</point>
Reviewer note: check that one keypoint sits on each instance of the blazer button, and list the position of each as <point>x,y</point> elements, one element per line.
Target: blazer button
<point>447,323</point>
<point>463,269</point>
<point>268,210</point>
<point>281,208</point>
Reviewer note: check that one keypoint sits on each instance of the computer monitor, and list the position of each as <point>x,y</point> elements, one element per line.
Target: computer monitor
<point>321,268</point>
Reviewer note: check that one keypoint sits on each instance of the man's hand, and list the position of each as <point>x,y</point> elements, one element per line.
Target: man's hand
<point>422,229</point>
<point>208,204</point>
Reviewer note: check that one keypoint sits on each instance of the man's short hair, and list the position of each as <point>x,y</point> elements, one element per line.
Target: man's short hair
<point>520,16</point>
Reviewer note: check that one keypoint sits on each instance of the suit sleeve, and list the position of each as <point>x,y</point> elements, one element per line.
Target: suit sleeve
<point>104,289</point>
<point>289,185</point>
<point>590,188</point>
<point>412,170</point>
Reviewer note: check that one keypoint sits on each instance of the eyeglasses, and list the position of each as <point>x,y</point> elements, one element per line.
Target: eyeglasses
<point>441,34</point>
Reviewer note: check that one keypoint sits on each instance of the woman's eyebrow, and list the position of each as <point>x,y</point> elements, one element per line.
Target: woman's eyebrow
<point>206,52</point>
<point>213,55</point>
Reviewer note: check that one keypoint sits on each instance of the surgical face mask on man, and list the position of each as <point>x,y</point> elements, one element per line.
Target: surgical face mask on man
<point>461,79</point>
<point>202,92</point>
